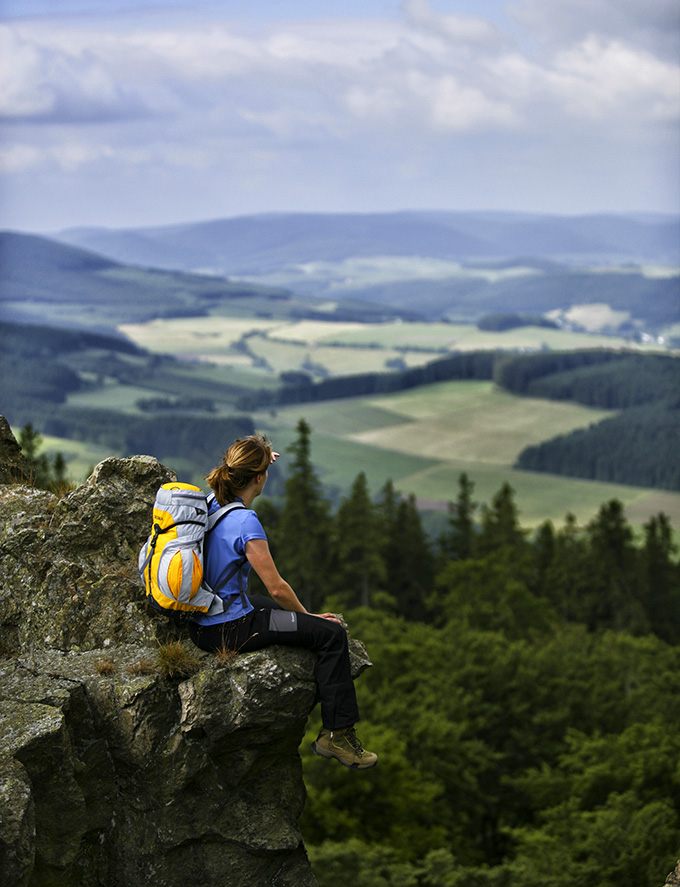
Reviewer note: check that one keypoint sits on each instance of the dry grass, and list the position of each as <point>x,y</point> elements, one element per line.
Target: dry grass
<point>106,666</point>
<point>143,666</point>
<point>225,656</point>
<point>175,660</point>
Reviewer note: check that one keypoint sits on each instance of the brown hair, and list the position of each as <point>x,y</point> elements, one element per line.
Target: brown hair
<point>245,459</point>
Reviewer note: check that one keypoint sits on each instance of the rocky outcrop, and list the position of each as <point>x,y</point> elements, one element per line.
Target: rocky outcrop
<point>673,879</point>
<point>13,464</point>
<point>111,772</point>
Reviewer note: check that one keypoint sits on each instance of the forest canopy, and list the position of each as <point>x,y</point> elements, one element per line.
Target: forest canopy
<point>524,699</point>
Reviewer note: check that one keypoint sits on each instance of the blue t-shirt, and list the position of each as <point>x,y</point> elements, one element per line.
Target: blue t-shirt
<point>224,547</point>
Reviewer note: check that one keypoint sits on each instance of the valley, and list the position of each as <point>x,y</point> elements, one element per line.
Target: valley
<point>182,345</point>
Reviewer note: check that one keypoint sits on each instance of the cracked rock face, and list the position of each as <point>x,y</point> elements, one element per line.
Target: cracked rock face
<point>111,773</point>
<point>130,778</point>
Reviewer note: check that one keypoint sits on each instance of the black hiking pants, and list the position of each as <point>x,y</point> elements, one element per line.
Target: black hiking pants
<point>270,624</point>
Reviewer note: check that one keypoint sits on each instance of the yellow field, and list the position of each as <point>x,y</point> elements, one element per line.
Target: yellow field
<point>421,439</point>
<point>195,336</point>
<point>340,348</point>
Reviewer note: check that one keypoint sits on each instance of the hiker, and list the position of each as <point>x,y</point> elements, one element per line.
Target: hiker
<point>252,622</point>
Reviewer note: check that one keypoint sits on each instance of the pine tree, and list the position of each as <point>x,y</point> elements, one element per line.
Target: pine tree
<point>500,524</point>
<point>564,571</point>
<point>43,475</point>
<point>457,543</point>
<point>303,534</point>
<point>360,569</point>
<point>613,570</point>
<point>406,553</point>
<point>660,579</point>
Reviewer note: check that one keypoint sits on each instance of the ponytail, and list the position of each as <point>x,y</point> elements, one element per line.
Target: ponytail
<point>245,459</point>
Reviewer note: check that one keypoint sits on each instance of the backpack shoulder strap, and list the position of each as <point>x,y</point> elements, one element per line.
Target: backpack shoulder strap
<point>216,516</point>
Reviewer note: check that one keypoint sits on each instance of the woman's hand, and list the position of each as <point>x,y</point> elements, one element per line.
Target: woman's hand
<point>330,616</point>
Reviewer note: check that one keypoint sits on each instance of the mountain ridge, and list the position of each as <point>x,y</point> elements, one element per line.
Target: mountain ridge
<point>242,244</point>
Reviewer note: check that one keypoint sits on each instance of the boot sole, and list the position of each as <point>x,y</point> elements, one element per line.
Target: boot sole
<point>329,756</point>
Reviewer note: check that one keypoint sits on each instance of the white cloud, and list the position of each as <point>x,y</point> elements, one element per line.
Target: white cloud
<point>41,81</point>
<point>597,77</point>
<point>467,30</point>
<point>18,158</point>
<point>407,101</point>
<point>447,72</point>
<point>455,106</point>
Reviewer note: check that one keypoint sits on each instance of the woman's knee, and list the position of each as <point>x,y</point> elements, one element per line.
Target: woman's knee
<point>336,635</point>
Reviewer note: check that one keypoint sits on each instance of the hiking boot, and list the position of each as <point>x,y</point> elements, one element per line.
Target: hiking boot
<point>345,746</point>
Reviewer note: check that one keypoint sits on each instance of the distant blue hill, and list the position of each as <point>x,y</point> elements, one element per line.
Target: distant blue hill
<point>261,243</point>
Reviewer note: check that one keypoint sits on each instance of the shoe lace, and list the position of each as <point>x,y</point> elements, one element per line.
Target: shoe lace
<point>353,740</point>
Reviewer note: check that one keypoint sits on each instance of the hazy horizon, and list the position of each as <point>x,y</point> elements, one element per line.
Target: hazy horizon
<point>163,112</point>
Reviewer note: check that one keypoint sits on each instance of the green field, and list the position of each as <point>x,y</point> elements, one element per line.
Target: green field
<point>424,438</point>
<point>421,439</point>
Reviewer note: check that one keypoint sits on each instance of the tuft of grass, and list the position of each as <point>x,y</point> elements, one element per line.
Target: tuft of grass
<point>143,666</point>
<point>225,656</point>
<point>177,661</point>
<point>106,666</point>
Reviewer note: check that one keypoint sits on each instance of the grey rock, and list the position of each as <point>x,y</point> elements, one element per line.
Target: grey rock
<point>110,772</point>
<point>128,778</point>
<point>14,466</point>
<point>673,879</point>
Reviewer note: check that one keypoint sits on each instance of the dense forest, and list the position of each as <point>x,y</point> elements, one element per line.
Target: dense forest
<point>637,446</point>
<point>525,695</point>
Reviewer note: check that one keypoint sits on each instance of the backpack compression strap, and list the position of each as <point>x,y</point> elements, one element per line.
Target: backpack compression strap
<point>153,539</point>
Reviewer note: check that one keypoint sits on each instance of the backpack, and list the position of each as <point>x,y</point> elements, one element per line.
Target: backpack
<point>171,559</point>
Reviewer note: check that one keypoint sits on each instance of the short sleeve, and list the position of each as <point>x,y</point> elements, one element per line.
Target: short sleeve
<point>251,528</point>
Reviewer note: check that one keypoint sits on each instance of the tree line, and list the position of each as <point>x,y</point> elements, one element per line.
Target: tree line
<point>636,446</point>
<point>373,551</point>
<point>300,388</point>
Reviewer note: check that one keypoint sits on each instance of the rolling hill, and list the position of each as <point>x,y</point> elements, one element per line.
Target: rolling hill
<point>444,265</point>
<point>44,281</point>
<point>248,244</point>
<point>293,262</point>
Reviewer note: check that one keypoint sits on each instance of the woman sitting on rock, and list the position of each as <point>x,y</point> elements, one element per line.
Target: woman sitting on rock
<point>252,622</point>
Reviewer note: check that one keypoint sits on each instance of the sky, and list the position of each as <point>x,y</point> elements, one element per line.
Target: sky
<point>124,114</point>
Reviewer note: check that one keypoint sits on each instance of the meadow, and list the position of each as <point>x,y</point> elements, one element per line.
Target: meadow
<point>425,438</point>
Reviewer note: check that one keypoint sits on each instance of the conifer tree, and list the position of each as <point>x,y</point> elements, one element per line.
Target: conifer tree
<point>303,534</point>
<point>500,524</point>
<point>564,573</point>
<point>660,579</point>
<point>457,543</point>
<point>360,569</point>
<point>44,475</point>
<point>615,603</point>
<point>408,560</point>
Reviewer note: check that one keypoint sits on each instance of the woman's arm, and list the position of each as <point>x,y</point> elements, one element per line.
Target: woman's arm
<point>257,552</point>
<point>261,560</point>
